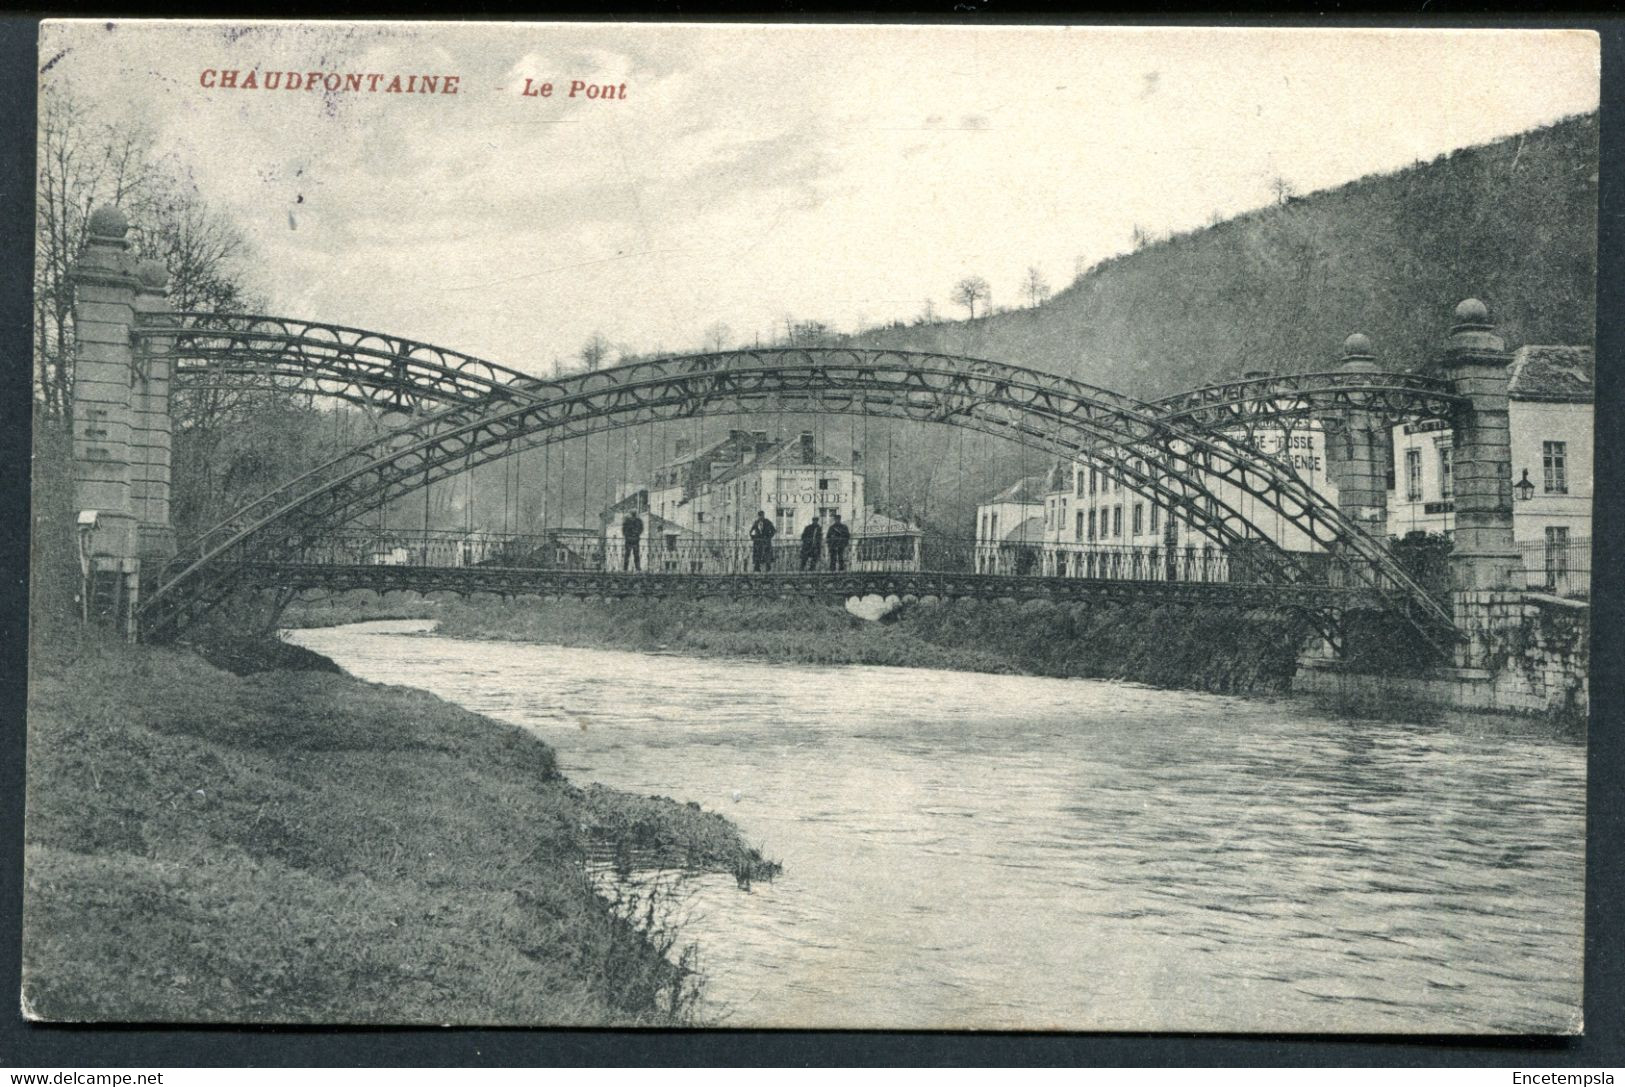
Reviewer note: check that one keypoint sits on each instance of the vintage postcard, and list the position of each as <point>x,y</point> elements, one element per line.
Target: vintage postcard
<point>861,526</point>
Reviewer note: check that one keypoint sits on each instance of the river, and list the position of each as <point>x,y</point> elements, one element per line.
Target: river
<point>968,850</point>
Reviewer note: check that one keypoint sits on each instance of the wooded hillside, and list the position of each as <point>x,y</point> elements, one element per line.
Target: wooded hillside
<point>1512,223</point>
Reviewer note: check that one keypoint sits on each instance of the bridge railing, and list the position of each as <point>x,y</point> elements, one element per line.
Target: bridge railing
<point>1112,562</point>
<point>670,554</point>
<point>578,551</point>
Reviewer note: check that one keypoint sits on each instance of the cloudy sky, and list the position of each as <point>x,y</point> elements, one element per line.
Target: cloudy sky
<point>755,173</point>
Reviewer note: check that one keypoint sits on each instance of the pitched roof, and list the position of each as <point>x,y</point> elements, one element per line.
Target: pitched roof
<point>656,525</point>
<point>779,454</point>
<point>637,501</point>
<point>1030,529</point>
<point>653,523</point>
<point>732,443</point>
<point>1552,373</point>
<point>1029,489</point>
<point>875,523</point>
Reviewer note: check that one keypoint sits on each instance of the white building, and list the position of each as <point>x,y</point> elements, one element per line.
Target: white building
<point>1095,523</point>
<point>1549,413</point>
<point>700,504</point>
<point>1010,528</point>
<point>1550,422</point>
<point>715,492</point>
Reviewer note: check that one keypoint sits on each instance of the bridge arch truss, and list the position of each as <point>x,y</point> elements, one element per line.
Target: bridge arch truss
<point>1172,452</point>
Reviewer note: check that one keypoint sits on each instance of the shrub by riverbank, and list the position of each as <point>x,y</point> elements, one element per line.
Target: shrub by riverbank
<point>304,847</point>
<point>358,606</point>
<point>1214,649</point>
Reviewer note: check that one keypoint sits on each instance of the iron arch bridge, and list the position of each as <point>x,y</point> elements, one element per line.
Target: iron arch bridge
<point>1178,452</point>
<point>369,369</point>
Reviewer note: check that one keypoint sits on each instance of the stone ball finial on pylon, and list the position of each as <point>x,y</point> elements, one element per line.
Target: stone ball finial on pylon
<point>108,221</point>
<point>1474,329</point>
<point>1358,354</point>
<point>153,274</point>
<point>1470,311</point>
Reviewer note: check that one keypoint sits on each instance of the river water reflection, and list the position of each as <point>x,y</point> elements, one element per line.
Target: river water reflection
<point>1013,852</point>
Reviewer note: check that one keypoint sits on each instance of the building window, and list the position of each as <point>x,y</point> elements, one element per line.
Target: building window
<point>786,516</point>
<point>1079,533</point>
<point>1117,522</point>
<point>823,484</point>
<point>1554,458</point>
<point>1155,512</point>
<point>1094,478</point>
<point>1413,475</point>
<point>1139,518</point>
<point>1557,554</point>
<point>1091,525</point>
<point>993,526</point>
<point>1447,482</point>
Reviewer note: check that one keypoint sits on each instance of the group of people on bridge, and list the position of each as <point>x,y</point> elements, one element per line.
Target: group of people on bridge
<point>815,542</point>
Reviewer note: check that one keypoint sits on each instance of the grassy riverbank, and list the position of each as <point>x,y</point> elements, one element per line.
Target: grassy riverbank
<point>299,846</point>
<point>1214,649</point>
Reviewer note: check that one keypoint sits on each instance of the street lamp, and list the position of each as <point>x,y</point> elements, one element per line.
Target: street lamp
<point>1525,487</point>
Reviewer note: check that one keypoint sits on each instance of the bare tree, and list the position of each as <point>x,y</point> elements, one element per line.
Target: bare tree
<point>1282,189</point>
<point>718,337</point>
<point>1140,236</point>
<point>969,291</point>
<point>1035,286</point>
<point>82,163</point>
<point>595,351</point>
<point>928,312</point>
<point>809,334</point>
<point>202,251</point>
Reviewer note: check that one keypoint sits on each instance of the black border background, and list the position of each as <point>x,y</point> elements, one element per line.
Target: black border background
<point>27,1045</point>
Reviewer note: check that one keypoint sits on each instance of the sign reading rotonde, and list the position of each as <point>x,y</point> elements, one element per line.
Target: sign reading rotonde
<point>753,526</point>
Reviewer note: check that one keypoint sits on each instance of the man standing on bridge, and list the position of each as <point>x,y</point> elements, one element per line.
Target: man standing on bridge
<point>812,544</point>
<point>632,536</point>
<point>761,542</point>
<point>837,538</point>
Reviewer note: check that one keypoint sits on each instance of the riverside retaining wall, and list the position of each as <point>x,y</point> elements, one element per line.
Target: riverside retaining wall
<point>1524,653</point>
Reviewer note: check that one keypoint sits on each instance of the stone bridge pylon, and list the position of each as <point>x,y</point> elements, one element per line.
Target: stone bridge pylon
<point>122,425</point>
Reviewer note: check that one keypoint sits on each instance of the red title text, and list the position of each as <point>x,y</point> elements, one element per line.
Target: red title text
<point>253,79</point>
